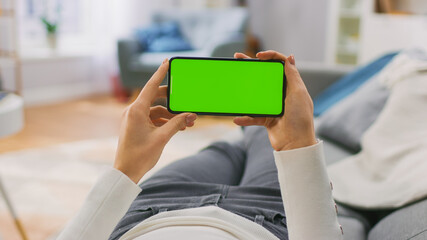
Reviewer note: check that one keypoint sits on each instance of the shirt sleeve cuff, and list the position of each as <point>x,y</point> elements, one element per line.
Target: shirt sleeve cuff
<point>307,194</point>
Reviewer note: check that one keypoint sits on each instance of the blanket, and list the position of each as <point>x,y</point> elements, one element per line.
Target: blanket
<point>390,170</point>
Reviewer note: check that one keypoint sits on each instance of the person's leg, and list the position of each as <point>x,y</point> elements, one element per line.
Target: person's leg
<point>219,163</point>
<point>258,196</point>
<point>260,167</point>
<point>195,181</point>
<point>249,162</point>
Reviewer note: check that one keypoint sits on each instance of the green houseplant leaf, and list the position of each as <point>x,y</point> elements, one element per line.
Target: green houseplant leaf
<point>50,26</point>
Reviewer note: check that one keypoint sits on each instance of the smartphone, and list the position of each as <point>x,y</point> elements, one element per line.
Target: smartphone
<point>226,86</point>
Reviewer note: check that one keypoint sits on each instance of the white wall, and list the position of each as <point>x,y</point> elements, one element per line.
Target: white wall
<point>291,26</point>
<point>78,67</point>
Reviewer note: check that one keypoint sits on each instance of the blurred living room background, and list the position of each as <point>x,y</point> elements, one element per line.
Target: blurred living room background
<point>69,68</point>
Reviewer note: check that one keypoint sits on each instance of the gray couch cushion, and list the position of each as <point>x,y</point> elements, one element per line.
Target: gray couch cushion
<point>333,152</point>
<point>353,228</point>
<point>355,225</point>
<point>406,223</point>
<point>346,122</point>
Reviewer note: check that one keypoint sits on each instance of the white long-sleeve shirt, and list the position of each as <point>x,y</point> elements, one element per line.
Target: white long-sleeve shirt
<point>306,192</point>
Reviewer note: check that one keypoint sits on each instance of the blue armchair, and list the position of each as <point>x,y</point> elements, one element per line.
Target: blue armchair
<point>211,32</point>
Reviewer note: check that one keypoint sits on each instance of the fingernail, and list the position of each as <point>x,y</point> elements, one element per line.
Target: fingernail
<point>292,59</point>
<point>164,61</point>
<point>190,118</point>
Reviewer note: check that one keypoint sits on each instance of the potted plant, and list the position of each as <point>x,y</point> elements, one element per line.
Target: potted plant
<point>51,30</point>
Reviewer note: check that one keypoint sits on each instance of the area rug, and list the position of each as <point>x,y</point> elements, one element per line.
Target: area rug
<point>48,185</point>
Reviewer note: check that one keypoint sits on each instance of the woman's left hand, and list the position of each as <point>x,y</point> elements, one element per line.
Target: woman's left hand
<point>145,130</point>
<point>295,128</point>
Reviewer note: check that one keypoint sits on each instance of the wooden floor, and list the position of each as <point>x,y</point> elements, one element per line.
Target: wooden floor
<point>89,118</point>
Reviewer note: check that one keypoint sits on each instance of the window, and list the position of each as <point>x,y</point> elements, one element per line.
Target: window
<point>73,17</point>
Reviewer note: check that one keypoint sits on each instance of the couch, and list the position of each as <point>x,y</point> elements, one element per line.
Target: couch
<point>211,32</point>
<point>396,225</point>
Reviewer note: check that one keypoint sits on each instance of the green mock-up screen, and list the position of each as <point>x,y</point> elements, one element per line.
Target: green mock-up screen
<point>225,86</point>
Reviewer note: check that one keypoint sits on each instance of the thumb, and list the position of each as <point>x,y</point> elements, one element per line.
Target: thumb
<point>178,122</point>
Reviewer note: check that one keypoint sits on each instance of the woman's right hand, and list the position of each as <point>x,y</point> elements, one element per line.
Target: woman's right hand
<point>145,130</point>
<point>295,128</point>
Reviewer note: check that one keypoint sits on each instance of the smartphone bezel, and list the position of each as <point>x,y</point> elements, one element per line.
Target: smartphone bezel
<point>226,59</point>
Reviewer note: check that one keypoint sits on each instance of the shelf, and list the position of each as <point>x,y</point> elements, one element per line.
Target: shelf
<point>346,59</point>
<point>8,42</point>
<point>410,17</point>
<point>345,39</point>
<point>347,53</point>
<point>47,54</point>
<point>11,54</point>
<point>350,4</point>
<point>349,13</point>
<point>348,48</point>
<point>6,13</point>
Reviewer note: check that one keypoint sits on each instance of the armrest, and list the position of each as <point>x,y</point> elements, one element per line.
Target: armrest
<point>227,46</point>
<point>126,48</point>
<point>318,76</point>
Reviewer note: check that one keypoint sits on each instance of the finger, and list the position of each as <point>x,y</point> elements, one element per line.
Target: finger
<point>292,59</point>
<point>293,78</point>
<point>159,122</point>
<point>177,123</point>
<point>162,92</point>
<point>270,54</point>
<point>240,55</point>
<point>160,112</point>
<point>249,121</point>
<point>190,124</point>
<point>149,92</point>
